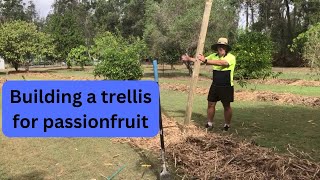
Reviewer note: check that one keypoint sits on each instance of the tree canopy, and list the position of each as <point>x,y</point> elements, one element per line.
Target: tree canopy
<point>21,43</point>
<point>169,28</point>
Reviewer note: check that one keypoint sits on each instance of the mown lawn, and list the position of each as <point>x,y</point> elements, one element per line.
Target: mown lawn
<point>265,123</point>
<point>72,158</point>
<point>298,73</point>
<point>297,90</point>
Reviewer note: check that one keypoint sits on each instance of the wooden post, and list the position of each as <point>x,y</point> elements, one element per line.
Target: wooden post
<point>195,75</point>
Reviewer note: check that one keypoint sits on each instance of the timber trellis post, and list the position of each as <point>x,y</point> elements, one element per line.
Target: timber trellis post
<point>195,75</point>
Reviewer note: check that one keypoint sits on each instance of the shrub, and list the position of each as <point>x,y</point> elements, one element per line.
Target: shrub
<point>119,58</point>
<point>78,56</point>
<point>253,51</point>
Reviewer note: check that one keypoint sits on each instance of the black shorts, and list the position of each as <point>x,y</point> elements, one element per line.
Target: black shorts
<point>221,93</point>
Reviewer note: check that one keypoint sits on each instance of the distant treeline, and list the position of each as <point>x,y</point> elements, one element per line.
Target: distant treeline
<point>169,27</point>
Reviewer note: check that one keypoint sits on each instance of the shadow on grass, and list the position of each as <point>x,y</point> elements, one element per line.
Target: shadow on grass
<point>36,175</point>
<point>31,71</point>
<point>155,162</point>
<point>149,159</point>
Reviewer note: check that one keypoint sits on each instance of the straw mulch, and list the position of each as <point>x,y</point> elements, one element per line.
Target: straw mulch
<point>290,82</point>
<point>216,157</point>
<point>201,155</point>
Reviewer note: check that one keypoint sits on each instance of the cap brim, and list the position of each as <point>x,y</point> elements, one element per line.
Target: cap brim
<point>215,47</point>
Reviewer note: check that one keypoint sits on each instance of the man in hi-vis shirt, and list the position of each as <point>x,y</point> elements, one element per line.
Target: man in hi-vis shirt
<point>223,65</point>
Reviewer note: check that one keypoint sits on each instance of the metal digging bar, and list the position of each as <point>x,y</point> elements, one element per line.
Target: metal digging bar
<point>164,175</point>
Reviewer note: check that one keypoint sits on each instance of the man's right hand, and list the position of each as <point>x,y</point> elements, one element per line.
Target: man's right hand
<point>201,57</point>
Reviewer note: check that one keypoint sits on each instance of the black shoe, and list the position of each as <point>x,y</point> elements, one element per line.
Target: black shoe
<point>226,127</point>
<point>209,127</point>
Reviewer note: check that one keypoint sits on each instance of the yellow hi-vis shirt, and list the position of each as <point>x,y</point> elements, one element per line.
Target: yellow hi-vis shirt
<point>223,75</point>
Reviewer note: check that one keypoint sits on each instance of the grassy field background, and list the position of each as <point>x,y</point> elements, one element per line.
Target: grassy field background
<point>276,126</point>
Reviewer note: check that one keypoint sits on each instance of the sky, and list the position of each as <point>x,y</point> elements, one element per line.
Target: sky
<point>43,7</point>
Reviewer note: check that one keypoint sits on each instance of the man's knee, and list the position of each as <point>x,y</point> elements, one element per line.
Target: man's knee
<point>227,105</point>
<point>211,104</point>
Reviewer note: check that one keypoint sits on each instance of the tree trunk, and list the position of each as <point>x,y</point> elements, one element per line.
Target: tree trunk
<point>252,12</point>
<point>294,18</point>
<point>266,16</point>
<point>16,66</point>
<point>289,40</point>
<point>247,15</point>
<point>27,66</point>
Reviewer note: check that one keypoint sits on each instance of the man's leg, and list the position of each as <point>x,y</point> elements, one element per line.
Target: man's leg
<point>211,111</point>
<point>227,114</point>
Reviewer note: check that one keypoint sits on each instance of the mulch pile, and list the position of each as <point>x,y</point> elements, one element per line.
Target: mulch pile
<point>281,98</point>
<point>291,82</point>
<point>201,155</point>
<point>215,157</point>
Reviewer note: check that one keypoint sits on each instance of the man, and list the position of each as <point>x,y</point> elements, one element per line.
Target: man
<point>223,64</point>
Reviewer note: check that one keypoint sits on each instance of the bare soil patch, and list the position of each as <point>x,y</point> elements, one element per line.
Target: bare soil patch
<point>197,154</point>
<point>281,98</point>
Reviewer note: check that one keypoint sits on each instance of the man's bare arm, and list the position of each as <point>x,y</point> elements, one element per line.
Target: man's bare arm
<point>218,62</point>
<point>186,57</point>
<point>213,62</point>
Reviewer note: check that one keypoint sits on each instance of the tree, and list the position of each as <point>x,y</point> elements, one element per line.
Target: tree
<point>132,21</point>
<point>65,28</point>
<point>78,56</point>
<point>253,51</point>
<point>119,58</point>
<point>21,43</point>
<point>31,13</point>
<point>107,15</point>
<point>173,26</point>
<point>12,10</point>
<point>284,20</point>
<point>85,11</point>
<point>310,43</point>
<point>126,16</point>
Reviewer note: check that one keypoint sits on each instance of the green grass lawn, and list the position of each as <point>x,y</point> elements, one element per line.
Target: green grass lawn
<point>267,124</point>
<point>72,158</point>
<point>297,73</point>
<point>298,90</point>
<point>69,159</point>
<point>205,71</point>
